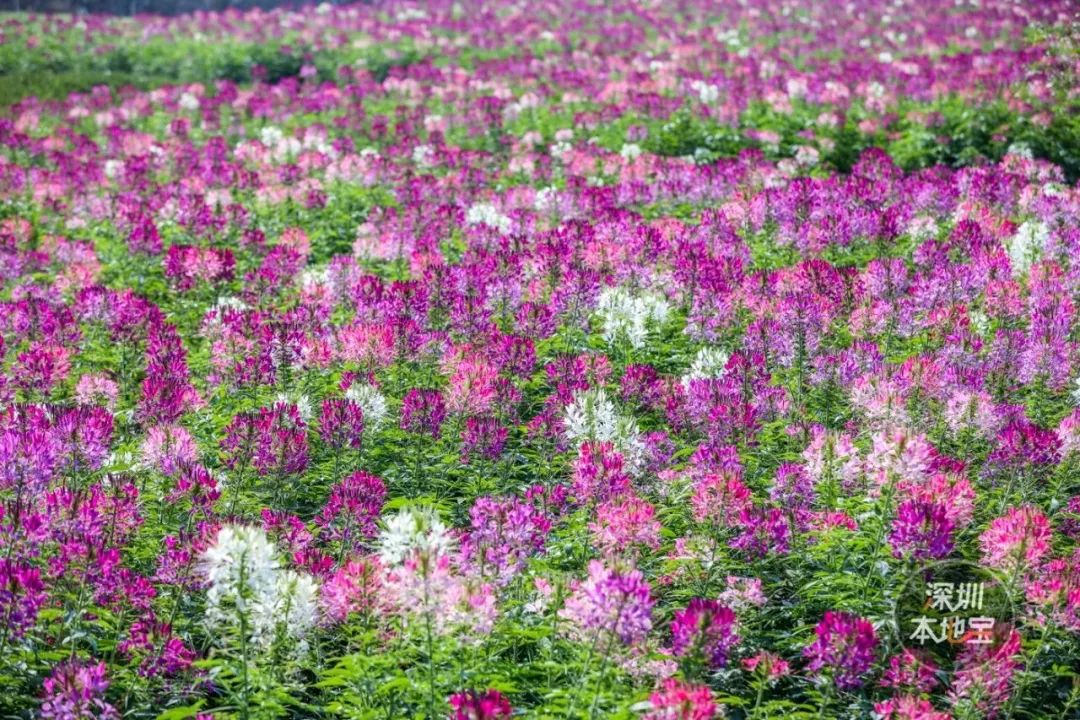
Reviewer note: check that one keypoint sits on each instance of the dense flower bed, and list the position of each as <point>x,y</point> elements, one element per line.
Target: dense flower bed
<point>488,360</point>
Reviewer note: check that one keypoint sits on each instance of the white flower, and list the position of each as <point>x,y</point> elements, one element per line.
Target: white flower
<point>189,101</point>
<point>241,568</point>
<point>487,214</point>
<point>1026,245</point>
<point>630,151</point>
<point>1020,149</point>
<point>559,149</point>
<point>1076,392</point>
<point>295,604</point>
<point>922,227</point>
<point>371,401</point>
<point>248,587</point>
<point>547,200</point>
<point>708,363</point>
<point>979,322</point>
<point>807,156</point>
<point>271,136</point>
<point>707,93</point>
<point>313,277</point>
<point>233,303</point>
<point>421,155</point>
<point>627,315</point>
<point>415,529</point>
<point>302,403</point>
<point>592,416</point>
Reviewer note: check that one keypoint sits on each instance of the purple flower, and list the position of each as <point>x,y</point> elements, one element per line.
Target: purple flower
<point>22,594</point>
<point>341,424</point>
<point>764,531</point>
<point>273,441</point>
<point>423,411</point>
<point>921,530</point>
<point>75,691</point>
<point>483,437</point>
<point>505,532</point>
<point>793,487</point>
<point>352,509</point>
<point>705,629</point>
<point>611,605</point>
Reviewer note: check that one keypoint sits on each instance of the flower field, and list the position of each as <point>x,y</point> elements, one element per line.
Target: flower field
<point>486,360</point>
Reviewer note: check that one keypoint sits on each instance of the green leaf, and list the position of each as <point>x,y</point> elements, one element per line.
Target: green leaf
<point>178,713</point>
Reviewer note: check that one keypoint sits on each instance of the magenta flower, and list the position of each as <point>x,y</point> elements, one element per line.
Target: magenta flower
<point>911,671</point>
<point>598,473</point>
<point>486,705</point>
<point>352,510</point>
<point>843,650</point>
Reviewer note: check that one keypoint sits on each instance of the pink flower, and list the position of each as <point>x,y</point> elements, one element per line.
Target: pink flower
<point>982,681</point>
<point>472,388</point>
<point>167,448</point>
<point>624,525</point>
<point>908,707</point>
<point>909,671</point>
<point>678,700</point>
<point>742,593</point>
<point>1068,433</point>
<point>355,588</point>
<point>720,499</point>
<point>1017,540</point>
<point>95,389</point>
<point>772,666</point>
